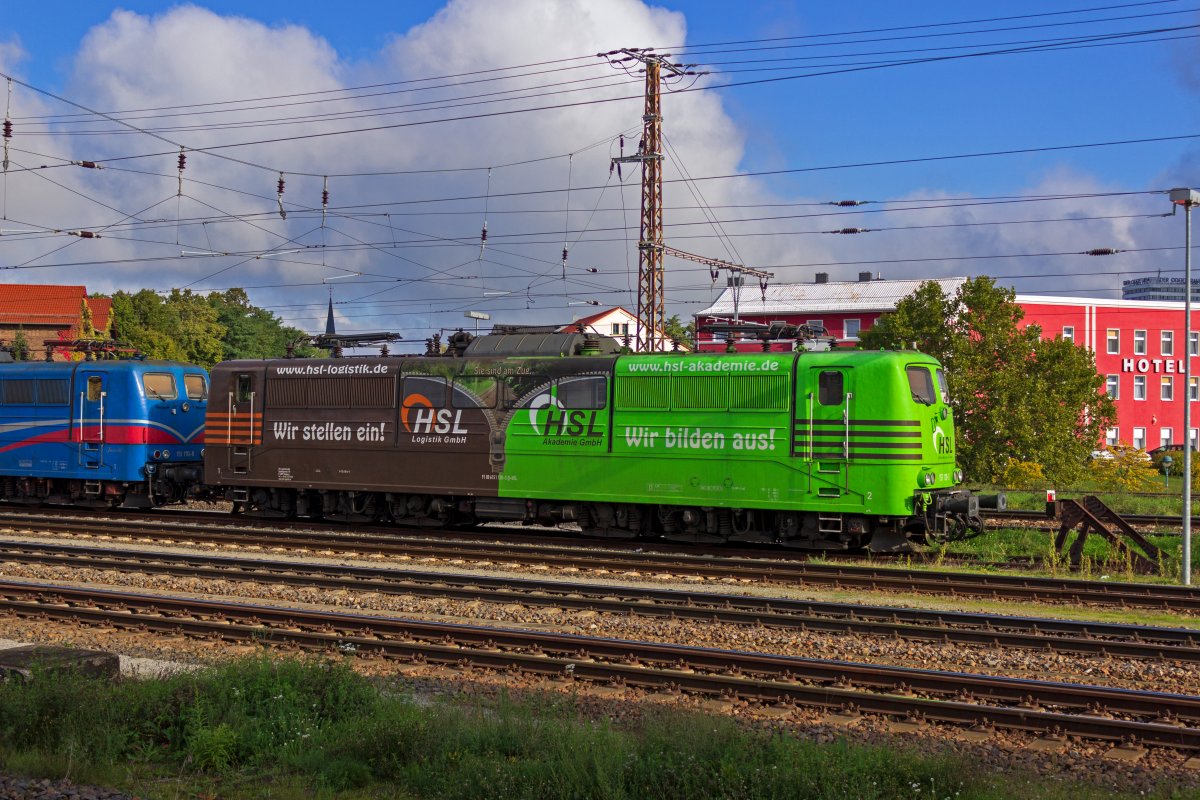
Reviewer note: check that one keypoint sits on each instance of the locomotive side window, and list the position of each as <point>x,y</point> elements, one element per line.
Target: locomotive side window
<point>288,393</point>
<point>471,391</point>
<point>941,380</point>
<point>704,392</point>
<point>244,389</point>
<point>430,389</point>
<point>53,392</point>
<point>373,392</point>
<point>18,391</point>
<point>758,392</point>
<point>329,392</point>
<point>195,386</point>
<point>586,393</point>
<point>920,383</point>
<point>638,393</point>
<point>831,389</point>
<point>95,388</point>
<point>159,385</point>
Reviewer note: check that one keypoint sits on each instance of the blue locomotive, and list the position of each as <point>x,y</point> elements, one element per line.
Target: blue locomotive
<point>109,433</point>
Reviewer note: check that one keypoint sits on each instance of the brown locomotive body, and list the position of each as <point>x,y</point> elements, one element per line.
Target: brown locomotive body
<point>340,437</point>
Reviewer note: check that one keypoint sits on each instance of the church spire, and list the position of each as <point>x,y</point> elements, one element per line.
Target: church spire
<point>329,329</point>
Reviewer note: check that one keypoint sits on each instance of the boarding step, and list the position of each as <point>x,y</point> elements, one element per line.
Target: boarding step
<point>829,523</point>
<point>94,488</point>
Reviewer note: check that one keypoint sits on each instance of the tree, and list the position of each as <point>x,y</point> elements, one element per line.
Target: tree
<point>20,346</point>
<point>181,327</point>
<point>252,332</point>
<point>674,329</point>
<point>1014,394</point>
<point>87,327</point>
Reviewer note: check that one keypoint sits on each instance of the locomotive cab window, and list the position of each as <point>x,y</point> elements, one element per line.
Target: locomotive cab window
<point>472,391</point>
<point>94,388</point>
<point>245,389</point>
<point>941,381</point>
<point>159,385</point>
<point>920,383</point>
<point>196,387</point>
<point>586,393</point>
<point>831,390</point>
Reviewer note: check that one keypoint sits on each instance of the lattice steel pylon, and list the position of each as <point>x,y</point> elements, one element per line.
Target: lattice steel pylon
<point>651,305</point>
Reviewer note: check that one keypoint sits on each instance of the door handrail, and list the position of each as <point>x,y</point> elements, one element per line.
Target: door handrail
<point>846,427</point>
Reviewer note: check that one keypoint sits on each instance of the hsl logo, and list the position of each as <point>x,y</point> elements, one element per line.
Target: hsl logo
<point>559,421</point>
<point>427,419</point>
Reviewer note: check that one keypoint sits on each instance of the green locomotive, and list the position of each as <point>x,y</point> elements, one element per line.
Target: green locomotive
<point>839,449</point>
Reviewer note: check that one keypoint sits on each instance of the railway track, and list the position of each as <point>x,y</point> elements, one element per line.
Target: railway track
<point>581,557</point>
<point>1125,641</point>
<point>1171,524</point>
<point>776,684</point>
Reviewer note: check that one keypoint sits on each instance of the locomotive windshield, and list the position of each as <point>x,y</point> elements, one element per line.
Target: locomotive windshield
<point>941,379</point>
<point>196,387</point>
<point>160,385</point>
<point>921,384</point>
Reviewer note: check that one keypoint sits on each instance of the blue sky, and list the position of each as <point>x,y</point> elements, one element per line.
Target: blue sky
<point>1006,102</point>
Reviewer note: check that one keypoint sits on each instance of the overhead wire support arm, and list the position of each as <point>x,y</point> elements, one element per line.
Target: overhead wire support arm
<point>715,266</point>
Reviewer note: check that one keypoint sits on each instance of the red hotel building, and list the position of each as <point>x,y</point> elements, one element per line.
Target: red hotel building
<point>1138,344</point>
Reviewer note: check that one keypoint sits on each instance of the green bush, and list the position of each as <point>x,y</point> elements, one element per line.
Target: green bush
<point>1129,470</point>
<point>1019,474</point>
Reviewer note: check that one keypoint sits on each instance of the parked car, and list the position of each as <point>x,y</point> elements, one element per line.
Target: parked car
<point>1119,451</point>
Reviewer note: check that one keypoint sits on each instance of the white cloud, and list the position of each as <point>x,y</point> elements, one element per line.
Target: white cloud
<point>190,55</point>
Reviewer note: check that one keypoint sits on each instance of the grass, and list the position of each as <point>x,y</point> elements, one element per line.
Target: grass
<point>263,727</point>
<point>1166,501</point>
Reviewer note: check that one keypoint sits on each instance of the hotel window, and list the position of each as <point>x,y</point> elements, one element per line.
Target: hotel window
<point>1139,438</point>
<point>1192,439</point>
<point>1164,438</point>
<point>1113,386</point>
<point>1193,343</point>
<point>1139,387</point>
<point>1168,343</point>
<point>1168,388</point>
<point>1111,437</point>
<point>1193,388</point>
<point>1114,340</point>
<point>1139,343</point>
<point>853,326</point>
<point>1068,333</point>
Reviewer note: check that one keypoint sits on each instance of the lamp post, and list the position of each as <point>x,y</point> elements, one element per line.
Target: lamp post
<point>1188,198</point>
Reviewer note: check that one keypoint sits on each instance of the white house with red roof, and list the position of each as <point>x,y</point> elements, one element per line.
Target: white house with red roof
<point>616,322</point>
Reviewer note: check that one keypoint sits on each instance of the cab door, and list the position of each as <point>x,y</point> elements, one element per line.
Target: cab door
<point>830,409</point>
<point>92,413</point>
<point>243,421</point>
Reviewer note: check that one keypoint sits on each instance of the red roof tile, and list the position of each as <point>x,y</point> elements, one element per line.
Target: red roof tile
<point>42,304</point>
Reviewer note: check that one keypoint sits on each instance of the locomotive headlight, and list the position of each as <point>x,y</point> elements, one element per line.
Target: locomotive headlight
<point>958,476</point>
<point>185,406</point>
<point>157,454</point>
<point>927,479</point>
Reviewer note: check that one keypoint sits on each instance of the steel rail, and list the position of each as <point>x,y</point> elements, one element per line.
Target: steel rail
<point>767,569</point>
<point>959,698</point>
<point>1109,639</point>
